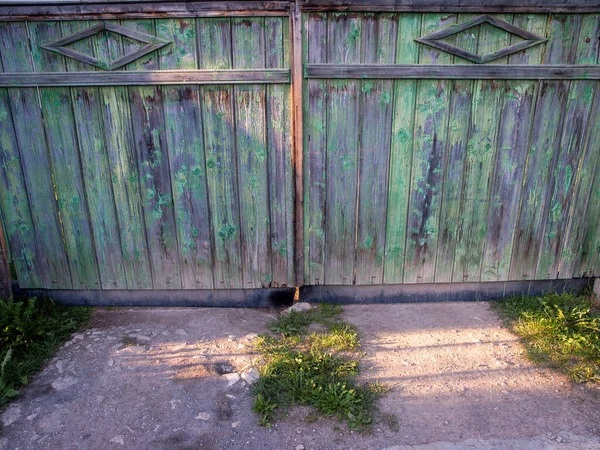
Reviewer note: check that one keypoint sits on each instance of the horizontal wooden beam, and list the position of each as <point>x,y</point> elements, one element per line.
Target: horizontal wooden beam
<point>144,78</point>
<point>70,10</point>
<point>453,71</point>
<point>479,6</point>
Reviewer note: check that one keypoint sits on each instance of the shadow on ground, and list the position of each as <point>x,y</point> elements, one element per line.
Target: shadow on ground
<point>175,379</point>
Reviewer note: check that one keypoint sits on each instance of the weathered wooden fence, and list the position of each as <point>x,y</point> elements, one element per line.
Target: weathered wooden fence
<point>424,167</point>
<point>202,145</point>
<point>146,178</point>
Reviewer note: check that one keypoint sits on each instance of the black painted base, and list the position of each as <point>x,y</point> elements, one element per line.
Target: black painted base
<point>224,298</point>
<point>267,298</point>
<point>439,292</point>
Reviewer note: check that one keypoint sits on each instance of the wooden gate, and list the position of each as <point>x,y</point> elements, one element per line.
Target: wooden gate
<point>450,147</point>
<point>174,152</point>
<point>149,152</point>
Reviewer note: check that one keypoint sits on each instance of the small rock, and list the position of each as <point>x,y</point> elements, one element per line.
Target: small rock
<point>250,376</point>
<point>63,383</point>
<point>78,336</point>
<point>250,336</point>
<point>111,362</point>
<point>31,416</point>
<point>203,416</point>
<point>60,366</point>
<point>299,447</point>
<point>181,332</point>
<point>235,424</point>
<point>12,413</point>
<point>230,396</point>
<point>297,307</point>
<point>141,337</point>
<point>120,439</point>
<point>231,378</point>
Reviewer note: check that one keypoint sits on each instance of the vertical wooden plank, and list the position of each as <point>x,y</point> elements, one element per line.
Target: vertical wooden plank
<point>53,267</point>
<point>375,126</point>
<point>124,174</point>
<point>184,139</point>
<point>514,127</point>
<point>577,256</point>
<point>248,49</point>
<point>562,184</point>
<point>153,164</point>
<point>5,281</point>
<point>459,127</point>
<point>15,50</point>
<point>17,220</point>
<point>279,149</point>
<point>479,165</point>
<point>582,256</point>
<point>16,213</point>
<point>89,127</point>
<point>430,134</point>
<point>295,54</point>
<point>63,146</point>
<point>343,40</point>
<point>315,155</point>
<point>544,148</point>
<point>214,45</point>
<point>407,52</point>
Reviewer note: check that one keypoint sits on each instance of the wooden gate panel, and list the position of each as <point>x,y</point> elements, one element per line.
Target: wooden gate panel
<point>483,170</point>
<point>157,187</point>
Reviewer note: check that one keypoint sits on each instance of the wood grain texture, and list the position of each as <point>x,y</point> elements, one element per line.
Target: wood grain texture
<point>459,130</point>
<point>221,156</point>
<point>136,10</point>
<point>575,243</point>
<point>16,212</point>
<point>513,139</point>
<point>531,6</point>
<point>152,154</point>
<point>581,256</point>
<point>315,156</point>
<point>401,151</point>
<point>185,143</point>
<point>480,160</point>
<point>453,72</point>
<point>279,150</point>
<point>547,129</point>
<point>375,124</point>
<point>344,43</point>
<point>248,48</point>
<point>63,147</point>
<point>430,134</point>
<point>89,126</point>
<point>17,219</point>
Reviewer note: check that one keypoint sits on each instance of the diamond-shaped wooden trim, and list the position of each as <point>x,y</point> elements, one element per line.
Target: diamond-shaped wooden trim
<point>433,39</point>
<point>152,43</point>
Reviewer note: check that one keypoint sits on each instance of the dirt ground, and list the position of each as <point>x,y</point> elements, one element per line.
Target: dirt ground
<point>174,379</point>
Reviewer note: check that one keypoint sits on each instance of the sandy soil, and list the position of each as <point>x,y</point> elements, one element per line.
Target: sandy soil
<point>174,379</point>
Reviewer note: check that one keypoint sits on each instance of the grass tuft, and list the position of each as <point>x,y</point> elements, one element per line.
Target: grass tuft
<point>558,330</point>
<point>32,330</point>
<point>315,369</point>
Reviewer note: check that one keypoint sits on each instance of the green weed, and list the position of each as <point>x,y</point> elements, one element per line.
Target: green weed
<point>558,330</point>
<point>31,331</point>
<point>313,370</point>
